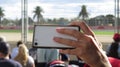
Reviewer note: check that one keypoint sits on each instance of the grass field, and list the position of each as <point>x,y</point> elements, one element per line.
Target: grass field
<point>103,32</point>
<point>97,32</point>
<point>12,30</point>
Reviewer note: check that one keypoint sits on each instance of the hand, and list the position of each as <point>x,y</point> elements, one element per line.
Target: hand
<point>87,47</point>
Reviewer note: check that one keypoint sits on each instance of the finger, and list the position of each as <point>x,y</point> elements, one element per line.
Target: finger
<point>74,33</point>
<point>84,27</point>
<point>70,51</point>
<point>66,41</point>
<point>65,51</point>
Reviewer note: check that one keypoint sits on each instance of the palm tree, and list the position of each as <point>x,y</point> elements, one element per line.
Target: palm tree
<point>38,14</point>
<point>83,13</point>
<point>1,15</point>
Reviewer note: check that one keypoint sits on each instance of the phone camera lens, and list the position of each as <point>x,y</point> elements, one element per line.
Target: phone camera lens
<point>36,43</point>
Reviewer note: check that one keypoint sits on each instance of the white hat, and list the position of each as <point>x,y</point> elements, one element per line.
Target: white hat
<point>2,38</point>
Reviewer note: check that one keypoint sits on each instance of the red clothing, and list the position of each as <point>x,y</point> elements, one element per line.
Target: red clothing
<point>114,62</point>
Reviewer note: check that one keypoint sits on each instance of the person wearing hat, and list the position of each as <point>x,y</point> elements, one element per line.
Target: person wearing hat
<point>57,63</point>
<point>113,48</point>
<point>2,38</point>
<point>4,56</point>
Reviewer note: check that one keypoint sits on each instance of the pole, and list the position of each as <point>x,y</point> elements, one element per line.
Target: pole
<point>116,10</point>
<point>22,24</point>
<point>24,21</point>
<point>115,30</point>
<point>118,16</point>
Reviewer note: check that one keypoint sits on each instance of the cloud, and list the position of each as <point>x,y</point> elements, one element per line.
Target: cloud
<point>2,2</point>
<point>55,10</point>
<point>58,8</point>
<point>12,10</point>
<point>101,8</point>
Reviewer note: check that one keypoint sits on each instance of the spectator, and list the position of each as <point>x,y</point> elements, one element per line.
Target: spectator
<point>57,63</point>
<point>113,48</point>
<point>113,59</point>
<point>33,53</point>
<point>114,62</point>
<point>45,56</point>
<point>4,56</point>
<point>77,62</point>
<point>23,57</point>
<point>86,45</point>
<point>15,50</point>
<point>2,38</point>
<point>65,58</point>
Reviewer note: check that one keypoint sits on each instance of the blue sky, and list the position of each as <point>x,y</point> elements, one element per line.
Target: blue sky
<point>58,8</point>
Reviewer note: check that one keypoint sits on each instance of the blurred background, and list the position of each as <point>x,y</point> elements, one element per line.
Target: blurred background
<point>18,17</point>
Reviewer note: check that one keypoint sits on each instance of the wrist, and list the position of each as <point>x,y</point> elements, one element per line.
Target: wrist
<point>101,61</point>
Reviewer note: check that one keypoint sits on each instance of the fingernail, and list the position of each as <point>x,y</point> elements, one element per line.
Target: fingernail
<point>55,38</point>
<point>58,29</point>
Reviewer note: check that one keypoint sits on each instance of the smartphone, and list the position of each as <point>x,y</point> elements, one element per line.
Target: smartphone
<point>43,36</point>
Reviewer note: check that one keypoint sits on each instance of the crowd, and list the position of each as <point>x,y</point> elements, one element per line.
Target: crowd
<point>87,49</point>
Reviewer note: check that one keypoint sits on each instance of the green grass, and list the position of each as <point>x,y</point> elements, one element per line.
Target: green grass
<point>97,32</point>
<point>104,32</point>
<point>10,31</point>
<point>13,31</point>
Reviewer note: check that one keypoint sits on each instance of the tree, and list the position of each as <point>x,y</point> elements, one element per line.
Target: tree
<point>1,15</point>
<point>38,14</point>
<point>5,21</point>
<point>30,20</point>
<point>110,18</point>
<point>83,13</point>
